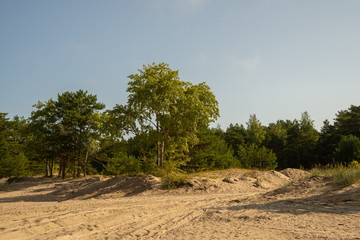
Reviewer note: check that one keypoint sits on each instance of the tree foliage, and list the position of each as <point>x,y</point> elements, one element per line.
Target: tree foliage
<point>253,156</point>
<point>347,122</point>
<point>160,104</point>
<point>67,130</point>
<point>164,129</point>
<point>348,149</point>
<point>211,152</point>
<point>13,161</point>
<point>255,132</point>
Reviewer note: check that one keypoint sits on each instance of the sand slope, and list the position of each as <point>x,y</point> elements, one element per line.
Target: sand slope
<point>231,204</point>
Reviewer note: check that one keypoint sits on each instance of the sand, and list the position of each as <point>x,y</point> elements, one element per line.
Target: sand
<point>231,204</point>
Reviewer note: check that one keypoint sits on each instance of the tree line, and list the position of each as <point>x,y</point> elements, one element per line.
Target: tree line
<point>164,128</point>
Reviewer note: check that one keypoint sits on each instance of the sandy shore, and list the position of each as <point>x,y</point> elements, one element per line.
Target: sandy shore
<point>232,204</point>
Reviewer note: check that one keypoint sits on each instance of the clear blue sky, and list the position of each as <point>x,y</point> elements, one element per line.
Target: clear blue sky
<point>272,58</point>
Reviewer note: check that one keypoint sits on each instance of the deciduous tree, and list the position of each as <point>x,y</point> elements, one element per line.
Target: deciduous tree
<point>159,101</point>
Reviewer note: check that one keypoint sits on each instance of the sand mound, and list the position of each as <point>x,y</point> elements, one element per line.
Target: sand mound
<point>305,187</point>
<point>232,181</point>
<point>294,173</point>
<point>272,179</point>
<point>221,181</point>
<point>116,186</point>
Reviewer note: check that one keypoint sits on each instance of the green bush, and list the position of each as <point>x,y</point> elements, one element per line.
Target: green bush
<point>348,149</point>
<point>211,152</point>
<point>123,164</point>
<point>172,176</point>
<point>13,165</point>
<point>252,156</point>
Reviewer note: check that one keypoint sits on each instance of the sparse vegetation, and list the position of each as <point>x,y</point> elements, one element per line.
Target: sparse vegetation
<point>171,180</point>
<point>341,174</point>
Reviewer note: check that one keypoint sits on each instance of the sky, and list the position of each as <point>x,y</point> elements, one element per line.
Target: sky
<point>273,58</point>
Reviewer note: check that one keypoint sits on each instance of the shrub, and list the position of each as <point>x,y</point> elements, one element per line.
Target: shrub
<point>354,164</point>
<point>348,149</point>
<point>13,165</point>
<point>123,164</point>
<point>172,176</point>
<point>253,156</point>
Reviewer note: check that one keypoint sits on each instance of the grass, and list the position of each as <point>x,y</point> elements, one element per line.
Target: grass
<point>341,175</point>
<point>174,180</point>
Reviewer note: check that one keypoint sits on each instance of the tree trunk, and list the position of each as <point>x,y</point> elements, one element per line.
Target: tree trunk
<point>51,167</point>
<point>162,153</point>
<point>78,164</point>
<point>158,147</point>
<point>85,162</point>
<point>62,171</point>
<point>60,167</point>
<point>46,167</point>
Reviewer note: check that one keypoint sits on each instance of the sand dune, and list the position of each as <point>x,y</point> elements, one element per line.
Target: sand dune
<point>231,204</point>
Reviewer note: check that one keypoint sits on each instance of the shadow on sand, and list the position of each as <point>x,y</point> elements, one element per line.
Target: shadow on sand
<point>83,188</point>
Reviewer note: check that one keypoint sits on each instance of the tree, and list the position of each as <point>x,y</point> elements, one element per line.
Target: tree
<point>211,152</point>
<point>276,140</point>
<point>45,136</point>
<point>13,161</point>
<point>253,156</point>
<point>123,164</point>
<point>160,102</point>
<point>309,140</point>
<point>71,124</point>
<point>347,122</point>
<point>348,149</point>
<point>302,140</point>
<point>328,140</point>
<point>235,136</point>
<point>78,115</point>
<point>255,132</point>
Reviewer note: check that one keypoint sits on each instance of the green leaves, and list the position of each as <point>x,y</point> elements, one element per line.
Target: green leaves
<point>159,101</point>
<point>348,149</point>
<point>67,128</point>
<point>13,161</point>
<point>253,156</point>
<point>255,131</point>
<point>211,152</point>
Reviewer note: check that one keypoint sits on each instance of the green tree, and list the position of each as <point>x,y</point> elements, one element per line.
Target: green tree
<point>253,156</point>
<point>309,140</point>
<point>235,136</point>
<point>328,140</point>
<point>276,140</point>
<point>13,161</point>
<point>72,123</point>
<point>160,102</point>
<point>44,133</point>
<point>302,140</point>
<point>123,164</point>
<point>255,132</point>
<point>347,122</point>
<point>348,149</point>
<point>78,115</point>
<point>211,152</point>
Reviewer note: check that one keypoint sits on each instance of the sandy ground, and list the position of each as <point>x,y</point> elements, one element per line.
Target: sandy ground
<point>231,204</point>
